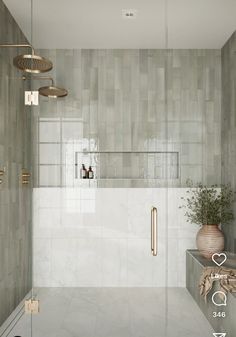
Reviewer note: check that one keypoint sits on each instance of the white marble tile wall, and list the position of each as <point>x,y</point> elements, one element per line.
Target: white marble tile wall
<point>101,237</point>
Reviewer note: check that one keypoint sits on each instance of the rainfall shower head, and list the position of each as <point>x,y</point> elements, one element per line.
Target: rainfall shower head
<point>30,63</point>
<point>52,91</point>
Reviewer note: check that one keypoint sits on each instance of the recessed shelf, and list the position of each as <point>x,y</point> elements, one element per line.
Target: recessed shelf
<point>145,152</point>
<point>97,179</point>
<point>129,165</point>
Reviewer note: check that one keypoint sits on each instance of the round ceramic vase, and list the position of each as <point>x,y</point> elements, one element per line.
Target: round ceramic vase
<point>210,240</point>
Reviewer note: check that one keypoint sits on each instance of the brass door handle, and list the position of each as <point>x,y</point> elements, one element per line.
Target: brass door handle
<point>154,231</point>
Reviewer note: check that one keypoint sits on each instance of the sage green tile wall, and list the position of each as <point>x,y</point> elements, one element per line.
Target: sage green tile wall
<point>229,128</point>
<point>116,102</point>
<point>15,200</point>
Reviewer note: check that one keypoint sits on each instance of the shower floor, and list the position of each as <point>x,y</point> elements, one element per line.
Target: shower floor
<point>114,312</point>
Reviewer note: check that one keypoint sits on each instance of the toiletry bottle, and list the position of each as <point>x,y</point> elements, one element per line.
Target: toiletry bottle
<point>90,173</point>
<point>83,172</point>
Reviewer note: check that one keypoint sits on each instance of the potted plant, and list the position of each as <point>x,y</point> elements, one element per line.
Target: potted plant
<point>209,208</point>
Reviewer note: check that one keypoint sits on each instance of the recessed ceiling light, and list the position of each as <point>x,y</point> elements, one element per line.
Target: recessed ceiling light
<point>129,13</point>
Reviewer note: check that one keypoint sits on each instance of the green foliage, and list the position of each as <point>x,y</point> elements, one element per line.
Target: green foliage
<point>208,206</point>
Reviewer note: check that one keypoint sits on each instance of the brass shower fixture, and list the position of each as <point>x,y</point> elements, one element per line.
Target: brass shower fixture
<point>25,177</point>
<point>29,63</point>
<point>2,172</point>
<point>52,90</point>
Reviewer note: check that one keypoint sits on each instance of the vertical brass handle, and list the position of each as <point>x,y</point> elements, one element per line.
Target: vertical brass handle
<point>154,231</point>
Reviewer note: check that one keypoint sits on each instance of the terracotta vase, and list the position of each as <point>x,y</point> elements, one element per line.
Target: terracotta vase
<point>210,240</point>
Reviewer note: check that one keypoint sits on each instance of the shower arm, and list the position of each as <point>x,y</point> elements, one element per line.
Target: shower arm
<point>18,46</point>
<point>46,78</point>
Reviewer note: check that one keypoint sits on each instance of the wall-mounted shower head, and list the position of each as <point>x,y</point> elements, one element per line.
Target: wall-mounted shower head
<point>50,91</point>
<point>30,63</point>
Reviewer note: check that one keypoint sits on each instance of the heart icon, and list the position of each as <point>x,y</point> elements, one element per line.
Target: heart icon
<point>217,256</point>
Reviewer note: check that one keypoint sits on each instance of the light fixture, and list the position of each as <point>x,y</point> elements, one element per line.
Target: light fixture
<point>129,13</point>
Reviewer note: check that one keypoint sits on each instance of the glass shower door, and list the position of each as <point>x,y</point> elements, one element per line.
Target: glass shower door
<point>199,64</point>
<point>146,121</point>
<point>94,270</point>
<point>15,161</point>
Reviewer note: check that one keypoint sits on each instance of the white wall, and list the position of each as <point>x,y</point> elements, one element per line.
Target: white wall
<point>101,237</point>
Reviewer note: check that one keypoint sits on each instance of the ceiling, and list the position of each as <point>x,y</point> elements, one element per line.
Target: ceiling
<point>99,23</point>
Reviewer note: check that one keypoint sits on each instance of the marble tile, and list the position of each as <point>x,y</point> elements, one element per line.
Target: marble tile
<point>49,197</point>
<point>63,253</point>
<point>42,260</point>
<point>110,246</point>
<point>113,215</point>
<point>128,312</point>
<point>89,254</point>
<point>140,263</point>
<point>114,262</point>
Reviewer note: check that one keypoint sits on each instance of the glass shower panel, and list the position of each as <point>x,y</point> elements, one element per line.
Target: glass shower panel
<point>94,271</point>
<point>145,117</point>
<point>199,64</point>
<point>15,164</point>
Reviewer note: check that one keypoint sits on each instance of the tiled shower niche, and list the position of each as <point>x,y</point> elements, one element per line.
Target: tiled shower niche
<point>62,152</point>
<point>136,165</point>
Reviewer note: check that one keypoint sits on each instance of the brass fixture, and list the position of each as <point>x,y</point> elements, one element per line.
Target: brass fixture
<point>52,90</point>
<point>154,231</point>
<point>25,177</point>
<point>2,172</point>
<point>32,306</point>
<point>29,63</point>
<point>49,91</point>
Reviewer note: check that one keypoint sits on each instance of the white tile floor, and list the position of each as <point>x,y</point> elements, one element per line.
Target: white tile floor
<point>114,312</point>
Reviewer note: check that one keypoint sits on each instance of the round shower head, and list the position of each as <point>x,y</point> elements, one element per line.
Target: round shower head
<point>32,63</point>
<point>52,91</point>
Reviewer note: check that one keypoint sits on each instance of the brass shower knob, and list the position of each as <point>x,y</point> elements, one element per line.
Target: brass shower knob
<point>1,174</point>
<point>25,176</point>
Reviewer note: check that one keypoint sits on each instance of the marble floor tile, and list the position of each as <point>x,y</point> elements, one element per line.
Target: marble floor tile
<point>114,312</point>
